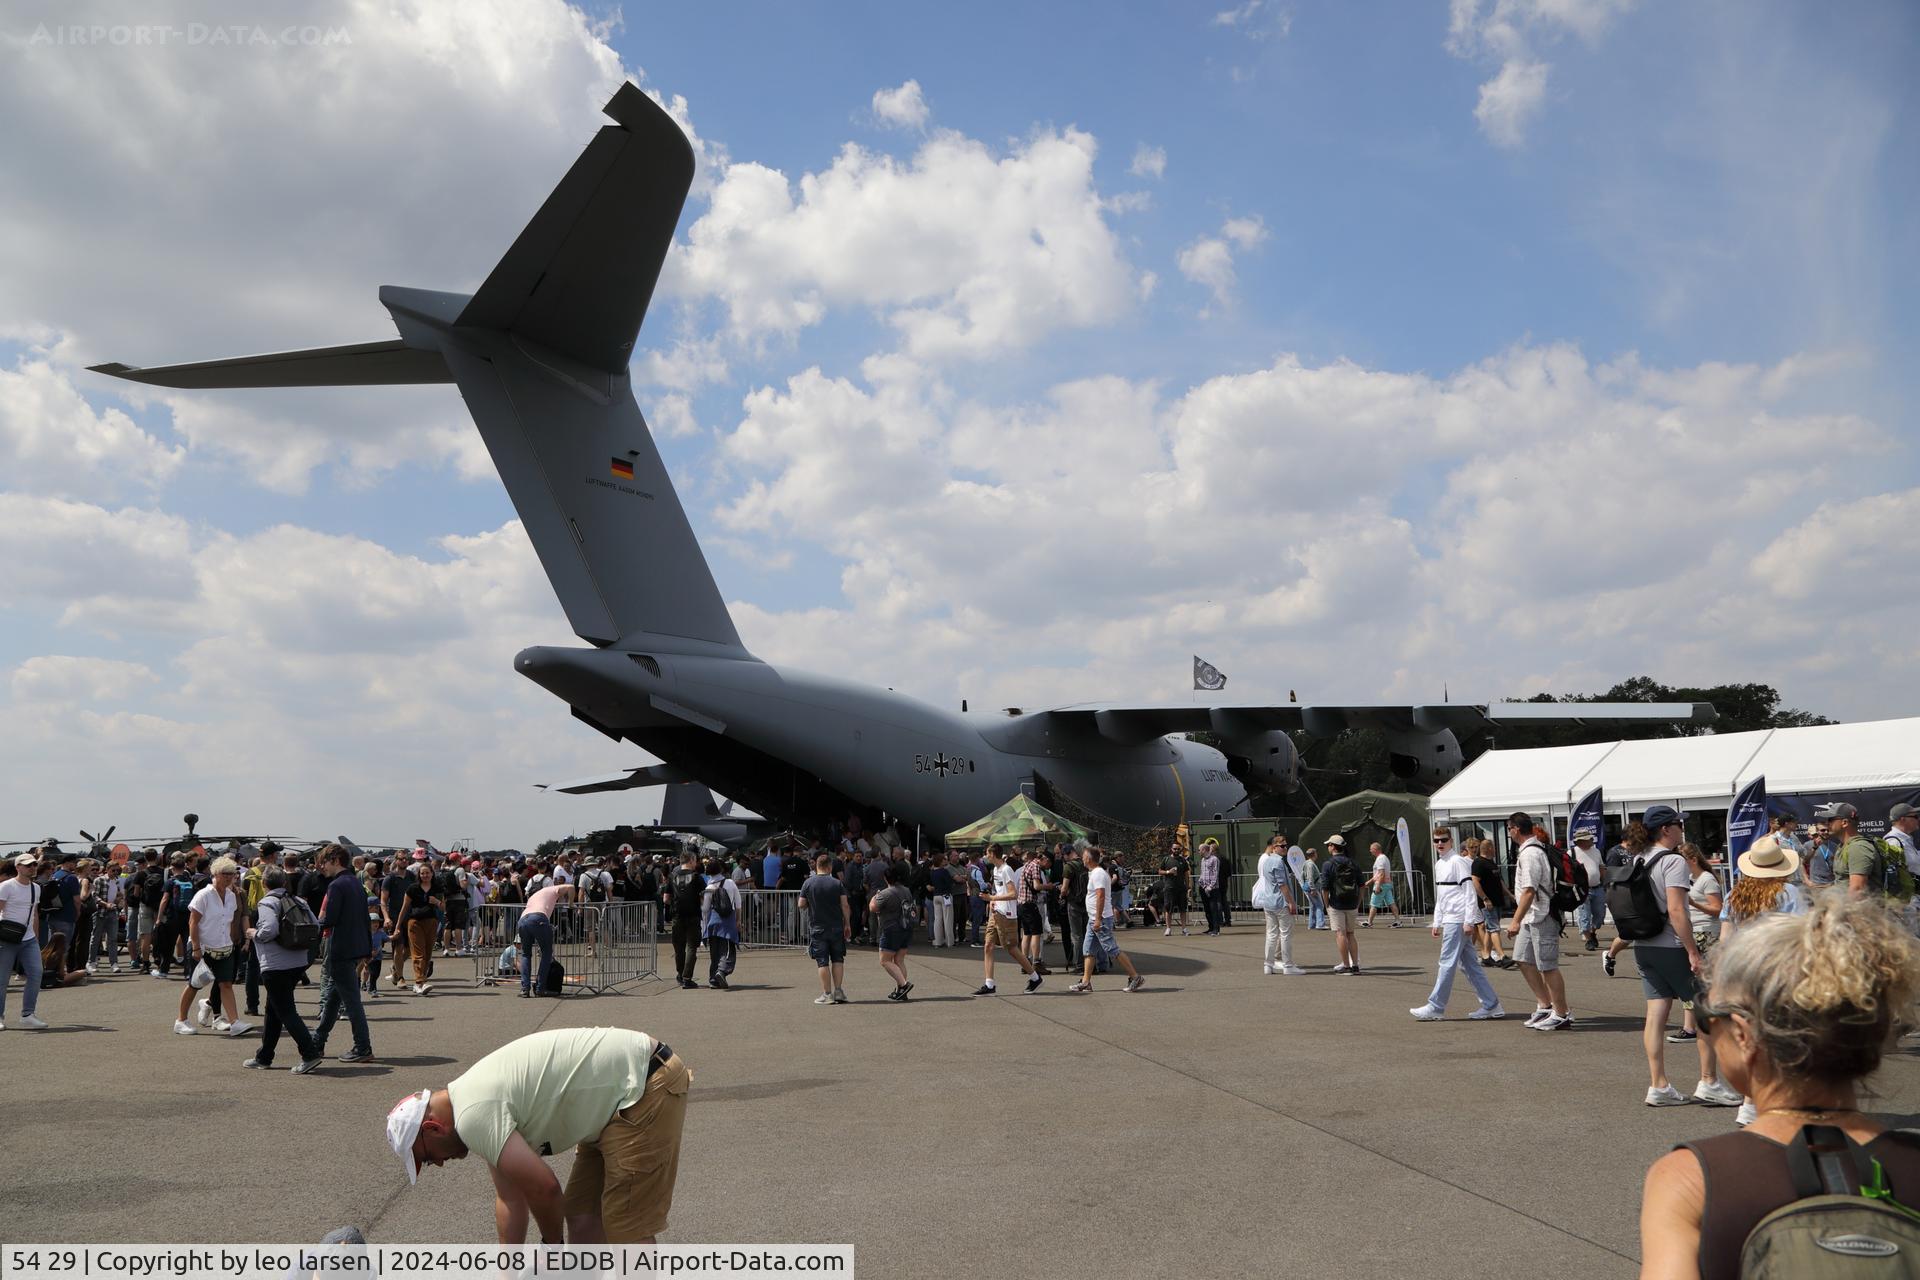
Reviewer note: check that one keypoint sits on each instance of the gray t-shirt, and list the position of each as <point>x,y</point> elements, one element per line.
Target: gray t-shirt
<point>894,907</point>
<point>825,898</point>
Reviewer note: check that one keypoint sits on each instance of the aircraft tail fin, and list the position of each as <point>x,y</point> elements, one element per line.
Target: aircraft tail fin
<point>688,804</point>
<point>540,354</point>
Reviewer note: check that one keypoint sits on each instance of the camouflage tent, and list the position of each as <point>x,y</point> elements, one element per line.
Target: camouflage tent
<point>1018,821</point>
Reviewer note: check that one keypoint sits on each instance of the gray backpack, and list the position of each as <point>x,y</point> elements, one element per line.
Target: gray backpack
<point>1846,1224</point>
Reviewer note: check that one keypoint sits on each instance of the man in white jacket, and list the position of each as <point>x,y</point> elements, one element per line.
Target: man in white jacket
<point>1273,894</point>
<point>1455,908</point>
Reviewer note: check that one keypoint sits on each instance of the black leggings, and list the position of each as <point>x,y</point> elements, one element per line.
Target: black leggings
<point>283,1015</point>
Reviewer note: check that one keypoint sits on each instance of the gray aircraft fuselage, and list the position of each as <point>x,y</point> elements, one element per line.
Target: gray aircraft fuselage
<point>873,746</point>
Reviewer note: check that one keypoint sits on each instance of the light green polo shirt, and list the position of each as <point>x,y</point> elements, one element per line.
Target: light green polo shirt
<point>556,1089</point>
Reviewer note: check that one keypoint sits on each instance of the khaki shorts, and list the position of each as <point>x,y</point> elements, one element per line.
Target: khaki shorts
<point>1343,921</point>
<point>626,1174</point>
<point>1001,931</point>
<point>1538,945</point>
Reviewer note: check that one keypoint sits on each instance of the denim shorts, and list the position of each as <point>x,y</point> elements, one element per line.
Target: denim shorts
<point>1098,942</point>
<point>1490,918</point>
<point>892,938</point>
<point>827,949</point>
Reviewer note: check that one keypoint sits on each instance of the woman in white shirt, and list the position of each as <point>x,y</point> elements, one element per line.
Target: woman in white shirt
<point>1703,916</point>
<point>213,928</point>
<point>19,899</point>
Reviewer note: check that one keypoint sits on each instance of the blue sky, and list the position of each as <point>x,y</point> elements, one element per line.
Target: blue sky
<point>1509,345</point>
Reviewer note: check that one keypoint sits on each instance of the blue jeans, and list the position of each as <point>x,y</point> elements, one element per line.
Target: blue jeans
<point>340,986</point>
<point>1591,913</point>
<point>1457,956</point>
<point>536,931</point>
<point>25,953</point>
<point>1316,909</point>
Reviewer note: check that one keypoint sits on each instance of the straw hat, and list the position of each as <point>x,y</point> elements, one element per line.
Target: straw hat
<point>1768,859</point>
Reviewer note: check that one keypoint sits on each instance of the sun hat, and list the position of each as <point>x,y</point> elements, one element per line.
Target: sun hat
<point>1768,859</point>
<point>403,1126</point>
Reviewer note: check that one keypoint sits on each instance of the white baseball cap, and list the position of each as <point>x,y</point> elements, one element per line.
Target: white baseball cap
<point>403,1126</point>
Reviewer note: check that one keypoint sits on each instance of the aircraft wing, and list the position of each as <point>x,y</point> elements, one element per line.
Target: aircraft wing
<point>652,775</point>
<point>1134,723</point>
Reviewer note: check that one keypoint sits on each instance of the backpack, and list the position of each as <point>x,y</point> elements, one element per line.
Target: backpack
<point>1343,884</point>
<point>596,887</point>
<point>1638,909</point>
<point>1895,880</point>
<point>554,981</point>
<point>183,892</point>
<point>722,900</point>
<point>1845,1223</point>
<point>1563,896</point>
<point>299,927</point>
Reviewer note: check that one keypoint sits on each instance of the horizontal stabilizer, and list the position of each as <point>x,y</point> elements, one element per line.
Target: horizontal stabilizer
<point>652,775</point>
<point>362,364</point>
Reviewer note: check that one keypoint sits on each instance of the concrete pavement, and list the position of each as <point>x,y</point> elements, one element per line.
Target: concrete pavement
<point>1220,1121</point>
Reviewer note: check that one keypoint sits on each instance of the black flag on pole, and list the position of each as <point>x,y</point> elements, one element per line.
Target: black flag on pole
<point>1206,676</point>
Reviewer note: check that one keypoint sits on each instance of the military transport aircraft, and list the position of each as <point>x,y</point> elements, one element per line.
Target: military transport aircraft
<point>541,352</point>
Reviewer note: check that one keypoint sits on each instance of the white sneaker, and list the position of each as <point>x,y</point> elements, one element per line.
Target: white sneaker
<point>1488,1015</point>
<point>91,970</point>
<point>421,988</point>
<point>239,1028</point>
<point>1167,932</point>
<point>823,998</point>
<point>1292,970</point>
<point>399,980</point>
<point>1426,1013</point>
<point>1667,1096</point>
<point>203,1011</point>
<point>1340,968</point>
<point>222,1025</point>
<point>154,972</point>
<point>181,1027</point>
<point>839,996</point>
<point>115,969</point>
<point>1746,1115</point>
<point>1268,969</point>
<point>1539,1015</point>
<point>1715,1094</point>
<point>33,1023</point>
<point>1554,1022</point>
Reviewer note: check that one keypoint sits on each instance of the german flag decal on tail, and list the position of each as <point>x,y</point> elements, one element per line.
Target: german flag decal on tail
<point>622,469</point>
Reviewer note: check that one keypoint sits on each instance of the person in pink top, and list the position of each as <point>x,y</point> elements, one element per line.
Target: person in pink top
<point>536,930</point>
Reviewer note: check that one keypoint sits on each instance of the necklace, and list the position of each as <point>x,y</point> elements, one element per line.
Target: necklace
<point>1811,1111</point>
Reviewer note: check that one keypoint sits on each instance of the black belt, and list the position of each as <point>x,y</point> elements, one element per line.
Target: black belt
<point>658,1059</point>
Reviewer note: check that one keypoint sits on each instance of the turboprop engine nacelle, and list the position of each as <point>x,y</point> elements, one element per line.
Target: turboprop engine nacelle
<point>1426,758</point>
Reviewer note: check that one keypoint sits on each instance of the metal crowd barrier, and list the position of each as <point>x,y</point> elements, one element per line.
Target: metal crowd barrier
<point>601,945</point>
<point>772,918</point>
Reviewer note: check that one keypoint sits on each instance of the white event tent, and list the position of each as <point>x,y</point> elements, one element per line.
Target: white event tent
<point>1873,764</point>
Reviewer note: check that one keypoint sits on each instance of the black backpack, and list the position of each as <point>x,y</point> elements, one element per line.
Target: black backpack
<point>722,900</point>
<point>299,927</point>
<point>1343,884</point>
<point>554,981</point>
<point>1639,910</point>
<point>1563,896</point>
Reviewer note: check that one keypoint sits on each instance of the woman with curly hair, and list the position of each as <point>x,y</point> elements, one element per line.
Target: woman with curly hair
<point>1800,1009</point>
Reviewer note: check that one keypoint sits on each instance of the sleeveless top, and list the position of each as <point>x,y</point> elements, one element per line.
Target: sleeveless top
<point>1746,1179</point>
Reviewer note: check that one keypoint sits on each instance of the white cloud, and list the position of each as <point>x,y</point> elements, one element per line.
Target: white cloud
<point>1848,552</point>
<point>1509,102</point>
<point>1259,19</point>
<point>52,440</point>
<point>1209,260</point>
<point>64,679</point>
<point>902,107</point>
<point>300,248</point>
<point>1148,162</point>
<point>1275,517</point>
<point>1510,32</point>
<point>965,252</point>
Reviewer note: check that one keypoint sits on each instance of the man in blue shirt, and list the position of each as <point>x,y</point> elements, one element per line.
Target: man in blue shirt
<point>770,867</point>
<point>349,940</point>
<point>62,914</point>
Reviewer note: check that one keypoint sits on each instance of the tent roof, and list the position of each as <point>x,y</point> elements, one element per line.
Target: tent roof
<point>1672,768</point>
<point>1019,821</point>
<point>1840,757</point>
<point>1378,807</point>
<point>1506,780</point>
<point>1818,758</point>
